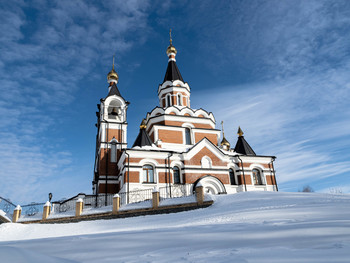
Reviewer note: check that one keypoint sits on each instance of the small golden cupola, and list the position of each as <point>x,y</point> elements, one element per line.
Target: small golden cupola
<point>171,50</point>
<point>224,143</point>
<point>112,76</point>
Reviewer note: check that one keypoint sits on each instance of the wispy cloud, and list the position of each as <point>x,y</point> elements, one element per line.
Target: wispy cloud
<point>291,120</point>
<point>47,49</point>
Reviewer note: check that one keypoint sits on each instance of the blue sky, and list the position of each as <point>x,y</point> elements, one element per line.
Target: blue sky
<point>279,69</point>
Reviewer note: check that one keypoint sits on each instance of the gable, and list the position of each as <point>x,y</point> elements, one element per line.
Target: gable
<point>205,148</point>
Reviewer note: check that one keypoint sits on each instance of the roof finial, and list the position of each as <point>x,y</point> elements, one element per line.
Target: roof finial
<point>240,132</point>
<point>171,50</point>
<point>224,143</point>
<point>112,76</point>
<point>143,124</point>
<point>222,126</point>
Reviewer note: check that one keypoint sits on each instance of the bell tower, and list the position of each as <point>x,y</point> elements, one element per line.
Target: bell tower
<point>111,137</point>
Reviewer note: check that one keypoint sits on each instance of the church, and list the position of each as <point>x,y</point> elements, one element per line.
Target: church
<point>177,145</point>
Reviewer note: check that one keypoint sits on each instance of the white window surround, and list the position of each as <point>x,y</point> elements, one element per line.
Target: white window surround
<point>179,99</point>
<point>142,174</point>
<point>114,150</point>
<point>180,174</point>
<point>234,175</point>
<point>168,100</point>
<point>262,177</point>
<point>206,162</point>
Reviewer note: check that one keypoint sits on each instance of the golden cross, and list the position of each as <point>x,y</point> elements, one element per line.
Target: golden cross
<point>171,40</point>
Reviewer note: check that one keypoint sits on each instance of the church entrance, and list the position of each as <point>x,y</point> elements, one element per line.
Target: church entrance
<point>211,185</point>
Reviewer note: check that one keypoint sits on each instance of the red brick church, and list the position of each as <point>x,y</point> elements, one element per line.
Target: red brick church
<point>176,145</point>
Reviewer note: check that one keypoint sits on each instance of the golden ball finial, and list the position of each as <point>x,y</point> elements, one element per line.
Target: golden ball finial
<point>112,75</point>
<point>171,48</point>
<point>225,142</point>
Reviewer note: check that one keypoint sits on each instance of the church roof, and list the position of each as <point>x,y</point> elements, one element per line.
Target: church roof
<point>172,72</point>
<point>114,90</point>
<point>143,138</point>
<point>243,147</point>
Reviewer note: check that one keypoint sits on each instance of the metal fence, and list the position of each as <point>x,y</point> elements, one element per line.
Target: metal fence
<point>135,196</point>
<point>96,201</point>
<point>7,206</point>
<point>32,209</point>
<point>93,201</point>
<point>174,191</point>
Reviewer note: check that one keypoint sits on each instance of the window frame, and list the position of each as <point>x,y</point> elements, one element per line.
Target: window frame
<point>232,175</point>
<point>257,177</point>
<point>146,168</point>
<point>168,100</point>
<point>179,99</point>
<point>188,136</point>
<point>179,175</point>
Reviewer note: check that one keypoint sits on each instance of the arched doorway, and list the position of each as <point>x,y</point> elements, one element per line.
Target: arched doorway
<point>211,185</point>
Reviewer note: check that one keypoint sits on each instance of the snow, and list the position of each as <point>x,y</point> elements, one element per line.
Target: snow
<point>245,227</point>
<point>47,203</point>
<point>199,184</point>
<point>3,217</point>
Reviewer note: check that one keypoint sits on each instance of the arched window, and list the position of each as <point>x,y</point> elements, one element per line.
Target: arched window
<point>176,172</point>
<point>114,150</point>
<point>168,100</point>
<point>148,174</point>
<point>115,110</point>
<point>232,177</point>
<point>257,177</point>
<point>206,162</point>
<point>188,136</point>
<point>179,99</point>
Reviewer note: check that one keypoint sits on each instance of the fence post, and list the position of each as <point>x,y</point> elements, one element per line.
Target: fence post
<point>155,197</point>
<point>47,208</point>
<point>199,194</point>
<point>79,207</point>
<point>116,204</point>
<point>16,213</point>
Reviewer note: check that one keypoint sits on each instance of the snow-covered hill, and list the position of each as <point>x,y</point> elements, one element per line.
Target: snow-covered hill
<point>246,227</point>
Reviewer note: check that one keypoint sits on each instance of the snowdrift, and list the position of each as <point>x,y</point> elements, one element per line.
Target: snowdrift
<point>245,227</point>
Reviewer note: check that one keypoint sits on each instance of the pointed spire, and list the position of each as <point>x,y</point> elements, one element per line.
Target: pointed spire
<point>172,72</point>
<point>143,138</point>
<point>242,146</point>
<point>240,132</point>
<point>112,76</point>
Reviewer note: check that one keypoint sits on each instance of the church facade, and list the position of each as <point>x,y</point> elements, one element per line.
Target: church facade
<point>176,145</point>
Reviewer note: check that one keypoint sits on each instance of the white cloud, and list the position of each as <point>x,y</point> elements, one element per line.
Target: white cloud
<point>44,55</point>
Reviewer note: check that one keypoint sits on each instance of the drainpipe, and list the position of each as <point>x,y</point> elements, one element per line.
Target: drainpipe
<point>274,173</point>
<point>128,185</point>
<point>171,154</point>
<point>245,185</point>
<point>107,142</point>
